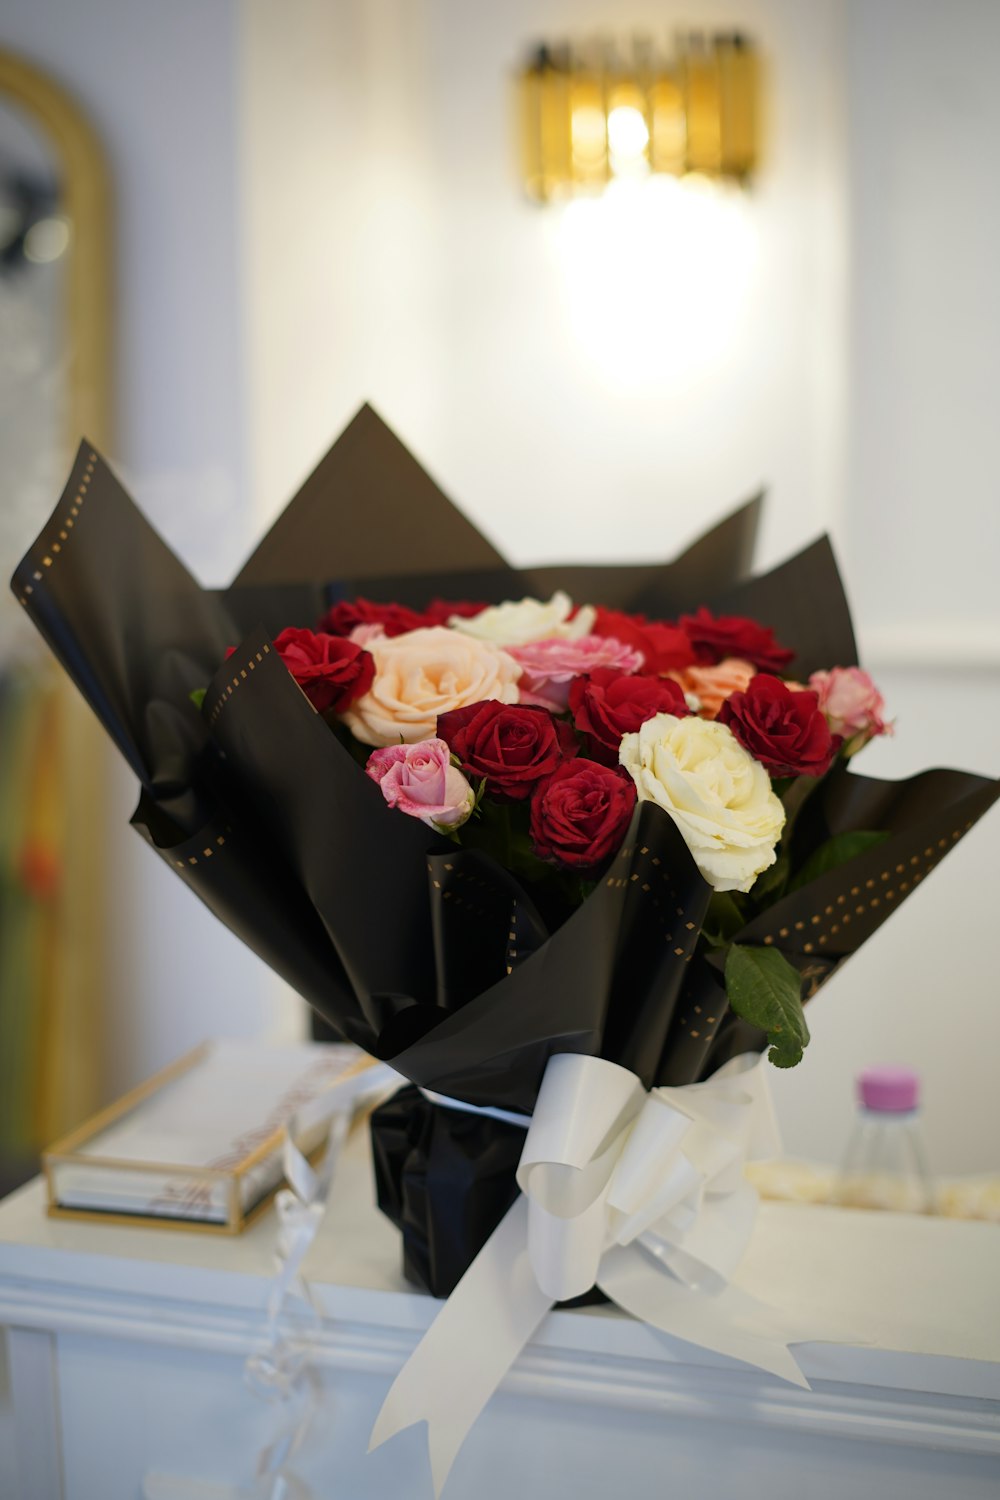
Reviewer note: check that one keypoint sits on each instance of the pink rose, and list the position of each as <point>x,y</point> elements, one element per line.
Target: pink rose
<point>548,667</point>
<point>420,780</point>
<point>853,705</point>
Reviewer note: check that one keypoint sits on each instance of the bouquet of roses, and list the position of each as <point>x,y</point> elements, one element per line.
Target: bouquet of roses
<point>484,820</point>
<point>529,730</point>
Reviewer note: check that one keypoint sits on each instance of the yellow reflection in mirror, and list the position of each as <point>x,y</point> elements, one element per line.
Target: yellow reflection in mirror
<point>46,240</point>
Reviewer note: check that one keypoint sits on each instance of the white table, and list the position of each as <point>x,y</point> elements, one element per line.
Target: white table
<point>126,1348</point>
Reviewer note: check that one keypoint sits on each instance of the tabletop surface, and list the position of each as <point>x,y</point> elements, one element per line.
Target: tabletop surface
<point>917,1299</point>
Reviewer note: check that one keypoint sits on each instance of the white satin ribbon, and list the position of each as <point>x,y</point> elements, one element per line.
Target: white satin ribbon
<point>280,1371</point>
<point>641,1194</point>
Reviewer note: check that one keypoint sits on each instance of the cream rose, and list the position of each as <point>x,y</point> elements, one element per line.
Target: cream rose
<point>717,794</point>
<point>521,621</point>
<point>425,673</point>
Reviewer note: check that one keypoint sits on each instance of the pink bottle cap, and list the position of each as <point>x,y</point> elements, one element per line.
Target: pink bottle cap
<point>888,1089</point>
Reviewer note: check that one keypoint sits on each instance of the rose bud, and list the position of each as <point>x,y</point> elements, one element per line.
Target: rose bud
<point>513,746</point>
<point>421,781</point>
<point>580,815</point>
<point>606,704</point>
<point>784,730</point>
<point>716,636</point>
<point>330,671</point>
<point>853,705</point>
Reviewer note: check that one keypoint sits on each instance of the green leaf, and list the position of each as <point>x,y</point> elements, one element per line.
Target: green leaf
<point>197,696</point>
<point>835,852</point>
<point>723,920</point>
<point>765,990</point>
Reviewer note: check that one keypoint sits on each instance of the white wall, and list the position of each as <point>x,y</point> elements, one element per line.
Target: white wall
<point>599,381</point>
<point>924,465</point>
<point>921,539</point>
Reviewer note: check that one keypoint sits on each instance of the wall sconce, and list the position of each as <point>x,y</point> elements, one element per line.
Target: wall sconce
<point>589,116</point>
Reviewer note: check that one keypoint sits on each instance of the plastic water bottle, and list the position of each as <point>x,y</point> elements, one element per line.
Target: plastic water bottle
<point>885,1165</point>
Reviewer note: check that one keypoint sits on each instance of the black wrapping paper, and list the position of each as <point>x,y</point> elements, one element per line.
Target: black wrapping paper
<point>445,1178</point>
<point>430,956</point>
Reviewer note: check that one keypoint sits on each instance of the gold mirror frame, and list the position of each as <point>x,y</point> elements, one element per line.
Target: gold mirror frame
<point>71,1081</point>
<point>87,203</point>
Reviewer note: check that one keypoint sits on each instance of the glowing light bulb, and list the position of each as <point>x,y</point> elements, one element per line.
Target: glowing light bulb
<point>628,134</point>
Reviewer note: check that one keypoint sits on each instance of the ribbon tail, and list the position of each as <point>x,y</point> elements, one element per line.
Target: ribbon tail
<point>731,1323</point>
<point>468,1349</point>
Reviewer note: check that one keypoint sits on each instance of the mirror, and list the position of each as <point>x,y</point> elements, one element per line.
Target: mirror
<point>55,273</point>
<point>55,387</point>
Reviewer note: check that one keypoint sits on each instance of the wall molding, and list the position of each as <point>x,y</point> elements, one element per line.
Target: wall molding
<point>662,1385</point>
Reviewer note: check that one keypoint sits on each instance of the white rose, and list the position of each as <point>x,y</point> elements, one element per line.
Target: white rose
<point>717,794</point>
<point>520,621</point>
<point>422,674</point>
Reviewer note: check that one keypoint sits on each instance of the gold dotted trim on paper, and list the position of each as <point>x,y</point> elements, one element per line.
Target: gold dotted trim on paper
<point>242,673</point>
<point>463,901</point>
<point>512,939</point>
<point>656,883</point>
<point>209,851</point>
<point>65,527</point>
<point>872,895</point>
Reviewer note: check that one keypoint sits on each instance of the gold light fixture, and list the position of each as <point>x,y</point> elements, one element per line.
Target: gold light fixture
<point>590,114</point>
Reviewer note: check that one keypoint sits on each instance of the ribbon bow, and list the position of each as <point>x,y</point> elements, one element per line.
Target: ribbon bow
<point>641,1194</point>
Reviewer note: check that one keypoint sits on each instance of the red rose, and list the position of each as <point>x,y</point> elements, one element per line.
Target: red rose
<point>716,636</point>
<point>579,816</point>
<point>440,611</point>
<point>605,704</point>
<point>665,648</point>
<point>513,746</point>
<point>785,730</point>
<point>395,619</point>
<point>330,671</point>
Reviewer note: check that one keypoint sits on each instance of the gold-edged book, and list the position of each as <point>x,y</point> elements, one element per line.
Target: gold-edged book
<point>200,1144</point>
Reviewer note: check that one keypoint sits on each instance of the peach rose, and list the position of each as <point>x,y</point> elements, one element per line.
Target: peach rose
<point>425,673</point>
<point>713,685</point>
